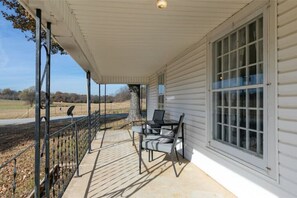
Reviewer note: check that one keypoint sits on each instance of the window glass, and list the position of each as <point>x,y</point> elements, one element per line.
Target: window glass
<point>252,31</point>
<point>242,37</point>
<point>233,41</point>
<point>238,85</point>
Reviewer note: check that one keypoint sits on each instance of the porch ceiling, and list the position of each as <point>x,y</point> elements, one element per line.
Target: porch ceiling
<point>121,40</point>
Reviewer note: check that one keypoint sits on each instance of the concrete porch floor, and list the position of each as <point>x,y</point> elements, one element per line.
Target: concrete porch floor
<point>111,170</point>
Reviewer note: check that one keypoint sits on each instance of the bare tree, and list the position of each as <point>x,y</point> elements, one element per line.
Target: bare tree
<point>28,95</point>
<point>134,113</point>
<point>122,94</point>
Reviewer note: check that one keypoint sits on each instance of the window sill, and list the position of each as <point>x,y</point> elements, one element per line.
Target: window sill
<point>260,169</point>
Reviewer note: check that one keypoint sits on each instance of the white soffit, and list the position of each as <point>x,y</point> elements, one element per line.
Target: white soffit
<point>133,38</point>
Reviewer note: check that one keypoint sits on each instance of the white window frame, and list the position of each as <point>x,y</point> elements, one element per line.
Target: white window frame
<point>266,164</point>
<point>161,75</point>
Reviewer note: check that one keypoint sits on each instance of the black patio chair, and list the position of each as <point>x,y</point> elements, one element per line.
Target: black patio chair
<point>162,143</point>
<point>158,116</point>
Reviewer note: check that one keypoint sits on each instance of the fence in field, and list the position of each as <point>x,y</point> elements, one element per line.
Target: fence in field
<point>61,111</point>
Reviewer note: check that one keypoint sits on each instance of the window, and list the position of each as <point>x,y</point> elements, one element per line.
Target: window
<point>238,89</point>
<point>161,91</point>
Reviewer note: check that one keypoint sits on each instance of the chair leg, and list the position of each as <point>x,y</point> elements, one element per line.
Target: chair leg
<point>172,159</point>
<point>133,143</point>
<point>176,154</point>
<point>150,156</point>
<point>140,150</point>
<point>139,165</point>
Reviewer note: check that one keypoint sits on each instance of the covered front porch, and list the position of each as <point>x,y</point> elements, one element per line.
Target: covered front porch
<point>229,66</point>
<point>111,170</point>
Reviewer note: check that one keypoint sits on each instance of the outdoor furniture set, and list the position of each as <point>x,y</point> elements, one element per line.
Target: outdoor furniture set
<point>160,135</point>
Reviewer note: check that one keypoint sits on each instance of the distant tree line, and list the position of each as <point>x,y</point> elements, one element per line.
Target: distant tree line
<point>9,94</point>
<point>28,95</point>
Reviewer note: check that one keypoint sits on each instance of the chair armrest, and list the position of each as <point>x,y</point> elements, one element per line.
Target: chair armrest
<point>156,128</point>
<point>165,129</point>
<point>166,136</point>
<point>137,121</point>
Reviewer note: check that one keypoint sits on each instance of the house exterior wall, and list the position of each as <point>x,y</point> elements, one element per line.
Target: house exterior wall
<point>287,94</point>
<point>187,92</point>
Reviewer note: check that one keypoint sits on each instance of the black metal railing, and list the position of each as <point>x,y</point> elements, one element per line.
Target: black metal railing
<point>67,147</point>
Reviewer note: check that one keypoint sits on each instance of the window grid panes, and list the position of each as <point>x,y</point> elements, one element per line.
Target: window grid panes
<point>161,91</point>
<point>238,88</point>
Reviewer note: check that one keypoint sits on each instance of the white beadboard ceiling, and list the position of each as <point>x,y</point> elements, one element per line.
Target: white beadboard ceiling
<point>130,38</point>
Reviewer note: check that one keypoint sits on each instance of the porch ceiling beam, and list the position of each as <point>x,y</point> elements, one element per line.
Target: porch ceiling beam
<point>136,30</point>
<point>143,17</point>
<point>133,23</point>
<point>124,80</point>
<point>132,38</point>
<point>144,14</point>
<point>62,7</point>
<point>192,3</point>
<point>59,13</point>
<point>137,41</point>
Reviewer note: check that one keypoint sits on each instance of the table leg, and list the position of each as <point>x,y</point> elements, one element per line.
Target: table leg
<point>183,140</point>
<point>133,143</point>
<point>140,148</point>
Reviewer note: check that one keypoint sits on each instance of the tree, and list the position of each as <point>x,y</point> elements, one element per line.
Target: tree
<point>28,95</point>
<point>134,112</point>
<point>9,94</point>
<point>122,94</point>
<point>23,21</point>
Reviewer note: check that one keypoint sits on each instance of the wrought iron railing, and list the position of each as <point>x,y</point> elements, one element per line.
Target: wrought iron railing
<point>60,161</point>
<point>68,147</point>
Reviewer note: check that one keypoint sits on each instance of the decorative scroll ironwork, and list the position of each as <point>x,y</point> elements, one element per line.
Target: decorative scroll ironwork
<point>67,148</point>
<point>69,145</point>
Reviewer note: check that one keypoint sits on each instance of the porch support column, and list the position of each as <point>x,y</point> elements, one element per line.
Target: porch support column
<point>89,107</point>
<point>140,100</point>
<point>99,106</point>
<point>37,105</point>
<point>105,107</point>
<point>47,108</point>
<point>146,101</point>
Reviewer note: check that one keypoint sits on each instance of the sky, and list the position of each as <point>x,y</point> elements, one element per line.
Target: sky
<point>17,66</point>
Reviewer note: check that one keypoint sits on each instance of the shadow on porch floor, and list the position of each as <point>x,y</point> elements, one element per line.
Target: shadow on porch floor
<point>111,170</point>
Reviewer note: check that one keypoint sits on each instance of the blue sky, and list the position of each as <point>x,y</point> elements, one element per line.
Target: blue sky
<point>17,65</point>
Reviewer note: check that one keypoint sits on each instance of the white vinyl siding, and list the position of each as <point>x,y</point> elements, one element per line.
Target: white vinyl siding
<point>186,82</point>
<point>185,93</point>
<point>287,94</point>
<point>152,96</point>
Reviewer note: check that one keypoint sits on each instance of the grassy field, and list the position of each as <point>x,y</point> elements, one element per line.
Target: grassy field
<point>12,109</point>
<point>15,138</point>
